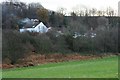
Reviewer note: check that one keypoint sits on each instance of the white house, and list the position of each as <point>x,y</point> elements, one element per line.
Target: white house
<point>39,28</point>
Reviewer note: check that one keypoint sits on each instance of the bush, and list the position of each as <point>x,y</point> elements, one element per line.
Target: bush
<point>82,44</point>
<point>17,45</point>
<point>12,46</point>
<point>42,44</point>
<point>59,43</point>
<point>107,40</point>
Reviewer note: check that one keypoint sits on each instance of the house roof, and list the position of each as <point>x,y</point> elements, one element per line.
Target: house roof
<point>39,28</point>
<point>28,23</point>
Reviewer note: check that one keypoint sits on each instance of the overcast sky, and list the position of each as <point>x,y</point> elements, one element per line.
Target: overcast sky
<point>71,4</point>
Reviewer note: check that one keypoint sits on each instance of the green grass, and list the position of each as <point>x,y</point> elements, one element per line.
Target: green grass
<point>97,68</point>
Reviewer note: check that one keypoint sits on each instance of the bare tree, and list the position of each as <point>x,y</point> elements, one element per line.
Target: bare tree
<point>81,13</point>
<point>99,13</point>
<point>73,14</point>
<point>93,11</point>
<point>62,10</point>
<point>110,11</point>
<point>90,12</point>
<point>86,12</point>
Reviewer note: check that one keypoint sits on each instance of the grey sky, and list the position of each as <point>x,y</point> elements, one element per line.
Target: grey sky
<point>72,4</point>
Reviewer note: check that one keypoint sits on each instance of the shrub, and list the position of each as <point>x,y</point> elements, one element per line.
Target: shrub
<point>82,44</point>
<point>42,44</point>
<point>12,46</point>
<point>107,40</point>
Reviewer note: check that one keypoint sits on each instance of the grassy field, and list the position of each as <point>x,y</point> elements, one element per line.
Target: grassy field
<point>97,68</point>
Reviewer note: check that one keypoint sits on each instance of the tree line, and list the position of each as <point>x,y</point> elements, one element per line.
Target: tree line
<point>61,38</point>
<point>13,11</point>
